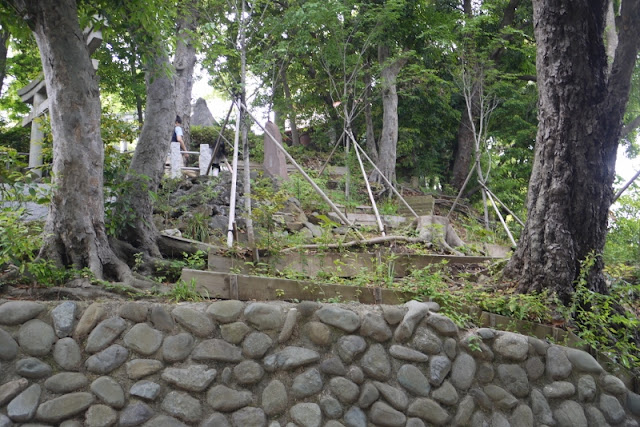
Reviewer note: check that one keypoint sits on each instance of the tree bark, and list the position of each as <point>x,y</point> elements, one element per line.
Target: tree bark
<point>580,119</point>
<point>4,48</point>
<point>147,165</point>
<point>389,135</point>
<point>184,63</point>
<point>295,135</point>
<point>75,231</point>
<point>372,146</point>
<point>464,151</point>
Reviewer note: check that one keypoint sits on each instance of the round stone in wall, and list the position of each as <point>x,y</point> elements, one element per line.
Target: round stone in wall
<point>134,311</point>
<point>63,317</point>
<point>36,338</point>
<point>341,318</point>
<point>66,382</point>
<point>345,390</point>
<point>248,372</point>
<point>65,406</point>
<point>570,414</point>
<point>8,346</point>
<point>33,368</point>
<point>145,389</point>
<point>256,344</point>
<point>109,391</point>
<point>105,333</point>
<point>17,312</point>
<point>306,414</point>
<point>274,398</point>
<point>177,347</point>
<point>318,333</point>
<point>374,326</point>
<point>330,406</point>
<point>182,406</point>
<point>67,354</point>
<point>384,415</point>
<point>412,379</point>
<point>196,322</point>
<point>100,416</point>
<point>192,378</point>
<point>225,311</point>
<point>306,384</point>
<point>143,339</point>
<point>249,416</point>
<point>107,360</point>
<point>225,399</point>
<point>23,407</point>
<point>264,316</point>
<point>463,371</point>
<point>135,414</point>
<point>512,346</point>
<point>514,379</point>
<point>350,346</point>
<point>376,364</point>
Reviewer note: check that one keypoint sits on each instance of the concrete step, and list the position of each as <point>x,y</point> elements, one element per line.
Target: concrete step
<point>347,264</point>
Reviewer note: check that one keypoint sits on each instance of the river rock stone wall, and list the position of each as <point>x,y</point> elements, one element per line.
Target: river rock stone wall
<point>232,363</point>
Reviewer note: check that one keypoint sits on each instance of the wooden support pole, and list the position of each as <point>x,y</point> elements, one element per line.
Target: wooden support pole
<point>331,154</point>
<point>623,189</point>
<point>386,180</point>
<point>217,147</point>
<point>304,174</point>
<point>504,224</point>
<point>366,181</point>
<point>464,185</point>
<point>503,205</point>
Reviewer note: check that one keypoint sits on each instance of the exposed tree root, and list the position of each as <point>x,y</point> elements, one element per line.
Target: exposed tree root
<point>175,246</point>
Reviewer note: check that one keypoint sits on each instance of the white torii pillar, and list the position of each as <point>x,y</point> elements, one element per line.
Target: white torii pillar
<point>35,93</point>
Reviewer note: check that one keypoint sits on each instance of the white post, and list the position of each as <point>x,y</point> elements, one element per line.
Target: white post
<point>205,158</point>
<point>175,160</point>
<point>37,137</point>
<point>234,180</point>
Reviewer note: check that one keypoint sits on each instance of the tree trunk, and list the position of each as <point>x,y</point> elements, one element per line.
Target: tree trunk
<point>372,146</point>
<point>75,231</point>
<point>295,135</point>
<point>4,48</point>
<point>389,135</point>
<point>464,151</point>
<point>184,63</point>
<point>147,166</point>
<point>580,118</point>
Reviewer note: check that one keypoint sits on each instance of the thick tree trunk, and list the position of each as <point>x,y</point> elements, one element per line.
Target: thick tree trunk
<point>389,135</point>
<point>580,118</point>
<point>464,151</point>
<point>147,166</point>
<point>184,63</point>
<point>75,231</point>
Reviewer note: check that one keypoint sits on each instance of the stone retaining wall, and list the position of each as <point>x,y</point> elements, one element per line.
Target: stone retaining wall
<point>279,364</point>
